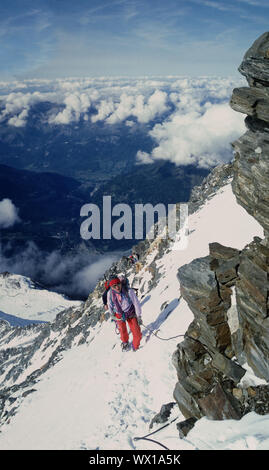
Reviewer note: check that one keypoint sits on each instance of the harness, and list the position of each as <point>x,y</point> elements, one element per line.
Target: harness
<point>117,309</point>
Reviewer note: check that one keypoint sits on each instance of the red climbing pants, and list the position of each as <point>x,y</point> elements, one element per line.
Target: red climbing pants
<point>135,329</point>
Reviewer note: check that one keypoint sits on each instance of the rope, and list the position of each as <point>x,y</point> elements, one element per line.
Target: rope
<point>177,336</point>
<point>114,318</point>
<point>145,438</point>
<point>152,440</point>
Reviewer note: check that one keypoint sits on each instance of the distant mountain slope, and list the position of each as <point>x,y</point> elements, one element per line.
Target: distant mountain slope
<point>160,182</point>
<point>49,204</point>
<point>23,301</point>
<point>13,320</point>
<point>49,207</point>
<point>87,151</point>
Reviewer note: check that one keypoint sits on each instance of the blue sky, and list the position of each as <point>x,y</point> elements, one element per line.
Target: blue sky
<point>79,38</point>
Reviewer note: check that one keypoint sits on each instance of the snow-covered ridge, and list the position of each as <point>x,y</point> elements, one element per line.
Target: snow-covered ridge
<point>86,393</point>
<point>23,299</point>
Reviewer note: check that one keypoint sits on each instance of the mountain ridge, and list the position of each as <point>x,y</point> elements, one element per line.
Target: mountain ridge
<point>214,294</point>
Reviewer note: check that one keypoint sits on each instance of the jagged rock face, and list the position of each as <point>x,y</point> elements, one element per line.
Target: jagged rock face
<point>255,63</point>
<point>251,187</point>
<point>251,169</point>
<point>252,306</point>
<point>223,336</point>
<point>226,335</point>
<point>251,174</point>
<point>201,291</point>
<point>206,373</point>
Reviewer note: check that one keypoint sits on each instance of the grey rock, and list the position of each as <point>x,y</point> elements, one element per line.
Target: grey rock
<point>221,252</point>
<point>228,367</point>
<point>255,65</point>
<point>184,427</point>
<point>251,173</point>
<point>252,293</point>
<point>186,402</point>
<point>225,262</point>
<point>163,415</point>
<point>220,405</point>
<point>200,289</point>
<point>251,101</point>
<point>251,169</point>
<point>257,400</point>
<point>200,359</point>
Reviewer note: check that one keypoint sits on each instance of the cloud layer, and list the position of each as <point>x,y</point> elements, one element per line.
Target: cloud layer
<point>188,119</point>
<point>201,139</point>
<point>71,274</point>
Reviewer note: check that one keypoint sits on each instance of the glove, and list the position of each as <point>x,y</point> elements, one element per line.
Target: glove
<point>139,320</point>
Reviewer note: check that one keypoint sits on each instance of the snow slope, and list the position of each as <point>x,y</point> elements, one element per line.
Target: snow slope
<point>97,397</point>
<point>21,297</point>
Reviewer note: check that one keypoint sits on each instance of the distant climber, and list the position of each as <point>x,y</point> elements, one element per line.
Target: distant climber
<point>133,258</point>
<point>125,307</point>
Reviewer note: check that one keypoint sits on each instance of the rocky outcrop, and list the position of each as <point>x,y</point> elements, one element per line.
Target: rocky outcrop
<point>228,290</point>
<point>222,338</point>
<point>252,291</point>
<point>255,64</point>
<point>251,188</point>
<point>251,170</point>
<point>206,372</point>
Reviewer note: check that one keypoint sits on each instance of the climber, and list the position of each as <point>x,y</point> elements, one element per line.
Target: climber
<point>133,258</point>
<point>124,306</point>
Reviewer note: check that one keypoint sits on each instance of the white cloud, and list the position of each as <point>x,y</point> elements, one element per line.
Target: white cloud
<point>197,138</point>
<point>132,105</point>
<point>20,119</point>
<point>75,95</point>
<point>87,277</point>
<point>8,214</point>
<point>17,106</point>
<point>76,105</point>
<point>123,109</point>
<point>143,158</point>
<point>201,127</point>
<point>156,106</point>
<point>70,273</point>
<point>105,109</point>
